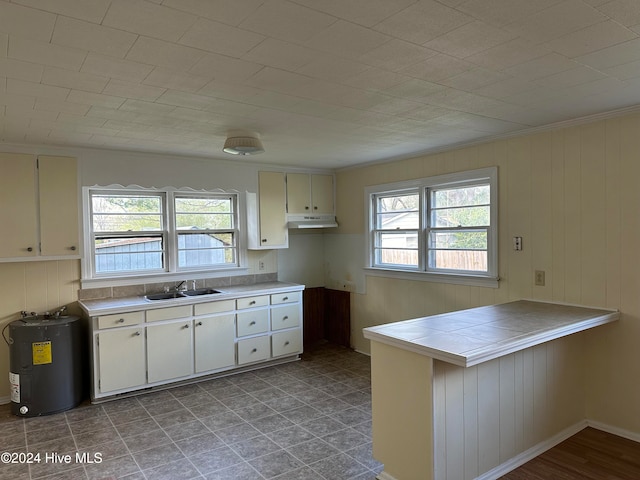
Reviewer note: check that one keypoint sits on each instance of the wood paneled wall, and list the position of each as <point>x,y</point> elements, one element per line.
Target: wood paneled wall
<point>327,315</point>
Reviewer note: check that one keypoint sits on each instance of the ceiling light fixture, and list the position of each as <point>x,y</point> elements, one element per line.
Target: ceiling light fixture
<point>243,146</point>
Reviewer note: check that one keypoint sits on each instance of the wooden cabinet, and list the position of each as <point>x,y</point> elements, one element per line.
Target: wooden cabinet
<point>121,359</point>
<point>213,339</point>
<point>169,354</point>
<point>310,194</point>
<point>42,218</point>
<point>267,216</point>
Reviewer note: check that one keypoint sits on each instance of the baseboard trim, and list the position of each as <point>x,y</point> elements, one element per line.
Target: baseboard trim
<point>620,432</point>
<point>5,400</point>
<point>385,476</point>
<point>532,452</point>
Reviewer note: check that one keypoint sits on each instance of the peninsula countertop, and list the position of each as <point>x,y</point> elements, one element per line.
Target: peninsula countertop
<point>476,335</point>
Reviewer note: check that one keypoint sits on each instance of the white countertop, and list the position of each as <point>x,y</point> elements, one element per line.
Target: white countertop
<point>105,306</point>
<point>469,337</point>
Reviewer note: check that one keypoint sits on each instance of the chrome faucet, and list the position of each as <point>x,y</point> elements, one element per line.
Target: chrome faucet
<point>181,286</point>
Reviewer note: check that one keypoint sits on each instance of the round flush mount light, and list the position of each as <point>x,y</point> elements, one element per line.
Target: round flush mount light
<point>243,146</point>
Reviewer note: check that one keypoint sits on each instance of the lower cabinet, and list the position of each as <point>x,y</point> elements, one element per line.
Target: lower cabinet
<point>213,341</point>
<point>145,348</point>
<point>169,354</point>
<point>121,359</point>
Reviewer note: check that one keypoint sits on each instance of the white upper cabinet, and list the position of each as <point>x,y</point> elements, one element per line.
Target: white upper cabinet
<point>40,207</point>
<point>310,194</point>
<point>267,217</point>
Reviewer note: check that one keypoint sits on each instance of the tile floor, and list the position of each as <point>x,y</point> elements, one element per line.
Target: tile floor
<point>306,420</point>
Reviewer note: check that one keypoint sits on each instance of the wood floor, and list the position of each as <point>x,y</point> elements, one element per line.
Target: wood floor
<point>589,455</point>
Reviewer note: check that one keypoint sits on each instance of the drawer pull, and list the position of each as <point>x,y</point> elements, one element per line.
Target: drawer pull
<point>252,302</point>
<point>199,324</point>
<point>137,334</point>
<point>254,350</point>
<point>286,317</point>
<point>29,249</point>
<point>121,320</point>
<point>285,299</point>
<point>186,326</point>
<point>252,324</point>
<point>72,248</point>
<point>286,343</point>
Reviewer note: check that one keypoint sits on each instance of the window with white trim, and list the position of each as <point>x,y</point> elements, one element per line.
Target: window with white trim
<point>443,226</point>
<point>148,232</point>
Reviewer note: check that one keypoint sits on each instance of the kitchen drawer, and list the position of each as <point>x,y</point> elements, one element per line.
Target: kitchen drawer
<point>214,307</point>
<point>287,316</point>
<point>286,343</point>
<point>254,349</point>
<point>253,322</point>
<point>251,302</point>
<point>120,319</point>
<point>168,313</point>
<point>287,297</point>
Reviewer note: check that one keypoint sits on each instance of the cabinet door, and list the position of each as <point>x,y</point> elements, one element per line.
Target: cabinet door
<point>214,342</point>
<point>121,357</point>
<point>272,206</point>
<point>169,353</point>
<point>18,215</point>
<point>322,194</point>
<point>58,191</point>
<point>298,193</point>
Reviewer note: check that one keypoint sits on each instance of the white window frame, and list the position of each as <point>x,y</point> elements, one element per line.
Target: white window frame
<point>170,272</point>
<point>422,187</point>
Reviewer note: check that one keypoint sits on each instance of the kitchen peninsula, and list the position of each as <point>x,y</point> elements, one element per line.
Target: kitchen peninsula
<point>468,394</point>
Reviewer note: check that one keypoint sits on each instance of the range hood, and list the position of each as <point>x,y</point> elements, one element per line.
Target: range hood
<point>311,221</point>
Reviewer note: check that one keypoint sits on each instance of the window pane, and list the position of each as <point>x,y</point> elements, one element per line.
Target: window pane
<point>397,248</point>
<point>206,249</point>
<point>122,213</point>
<point>459,239</point>
<point>397,211</point>
<point>469,260</point>
<point>204,213</point>
<point>126,254</point>
<point>461,217</point>
<point>460,197</point>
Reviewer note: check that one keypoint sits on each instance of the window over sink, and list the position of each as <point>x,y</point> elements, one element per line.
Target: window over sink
<point>131,232</point>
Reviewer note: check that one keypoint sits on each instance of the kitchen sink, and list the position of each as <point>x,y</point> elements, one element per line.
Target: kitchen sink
<point>200,291</point>
<point>164,296</point>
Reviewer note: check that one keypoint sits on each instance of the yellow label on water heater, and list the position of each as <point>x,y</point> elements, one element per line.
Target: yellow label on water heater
<point>41,353</point>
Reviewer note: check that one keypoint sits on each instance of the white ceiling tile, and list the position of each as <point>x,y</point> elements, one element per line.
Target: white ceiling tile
<point>612,56</point>
<point>473,37</point>
<point>363,12</point>
<point>347,40</point>
<point>375,79</point>
<point>223,68</point>
<point>438,67</point>
<point>626,12</point>
<point>10,68</point>
<point>47,105</point>
<point>118,88</point>
<point>89,10</point>
<point>96,38</point>
<point>332,68</point>
<point>278,80</point>
<point>45,53</point>
<point>17,101</point>
<point>280,54</point>
<point>414,88</point>
<point>230,12</point>
<point>506,88</point>
<point>98,99</point>
<point>111,114</point>
<point>508,54</point>
<point>17,20</point>
<point>287,21</point>
<point>4,44</point>
<point>625,71</point>
<point>423,21</point>
<point>557,21</point>
<point>22,113</point>
<point>570,78</point>
<point>80,120</point>
<point>164,54</point>
<point>21,87</point>
<point>427,113</point>
<point>541,66</point>
<point>145,108</point>
<point>592,38</point>
<point>473,79</point>
<point>186,100</point>
<point>396,54</point>
<point>229,90</point>
<point>144,18</point>
<point>176,80</point>
<point>504,12</point>
<point>220,38</point>
<point>115,68</point>
<point>71,79</point>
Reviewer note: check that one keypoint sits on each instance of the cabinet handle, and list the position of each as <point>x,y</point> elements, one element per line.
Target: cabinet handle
<point>264,240</point>
<point>186,326</point>
<point>306,207</point>
<point>136,334</point>
<point>199,324</point>
<point>286,317</point>
<point>286,343</point>
<point>72,248</point>
<point>29,249</point>
<point>252,324</point>
<point>285,299</point>
<point>254,350</point>
<point>252,302</point>
<point>315,208</point>
<point>121,320</point>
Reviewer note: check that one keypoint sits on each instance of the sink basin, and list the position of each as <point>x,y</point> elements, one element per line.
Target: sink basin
<point>164,296</point>
<point>200,291</point>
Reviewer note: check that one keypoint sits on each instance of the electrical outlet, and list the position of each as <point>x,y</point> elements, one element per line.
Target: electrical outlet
<point>539,278</point>
<point>260,265</point>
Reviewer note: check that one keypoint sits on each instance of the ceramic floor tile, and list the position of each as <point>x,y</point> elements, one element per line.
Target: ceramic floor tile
<point>275,464</point>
